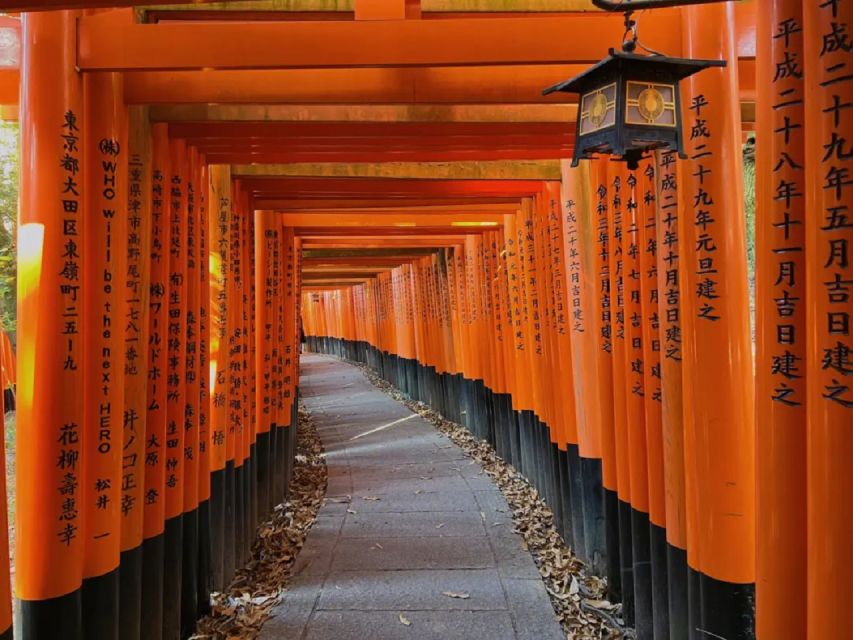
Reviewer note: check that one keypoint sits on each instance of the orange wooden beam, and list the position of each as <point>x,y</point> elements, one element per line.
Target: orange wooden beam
<point>371,130</point>
<point>512,83</point>
<point>411,155</point>
<point>401,143</point>
<point>14,6</point>
<point>380,242</point>
<point>367,203</point>
<point>112,43</point>
<point>390,219</point>
<point>399,231</point>
<point>288,188</point>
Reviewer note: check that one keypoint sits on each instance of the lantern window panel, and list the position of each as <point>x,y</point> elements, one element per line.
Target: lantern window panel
<point>598,109</point>
<point>650,104</point>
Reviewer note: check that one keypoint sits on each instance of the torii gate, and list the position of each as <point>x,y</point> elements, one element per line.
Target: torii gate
<point>195,179</point>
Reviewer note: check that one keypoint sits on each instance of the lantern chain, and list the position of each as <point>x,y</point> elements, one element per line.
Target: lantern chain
<point>631,37</point>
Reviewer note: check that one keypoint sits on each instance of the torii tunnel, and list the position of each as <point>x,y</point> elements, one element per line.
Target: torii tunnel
<point>202,186</point>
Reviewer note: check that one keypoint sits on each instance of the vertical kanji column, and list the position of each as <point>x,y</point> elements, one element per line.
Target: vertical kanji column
<point>252,374</point>
<point>219,220</point>
<point>205,585</point>
<point>290,371</point>
<point>190,425</point>
<point>588,307</point>
<point>719,418</point>
<point>265,238</point>
<point>176,388</point>
<point>635,371</point>
<point>828,41</point>
<point>611,191</point>
<point>154,512</point>
<point>137,283</point>
<point>279,418</point>
<point>780,323</point>
<point>646,222</point>
<point>105,245</point>
<point>237,363</point>
<point>672,422</point>
<point>49,439</point>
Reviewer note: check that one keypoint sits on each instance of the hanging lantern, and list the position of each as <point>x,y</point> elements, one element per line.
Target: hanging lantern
<point>629,104</point>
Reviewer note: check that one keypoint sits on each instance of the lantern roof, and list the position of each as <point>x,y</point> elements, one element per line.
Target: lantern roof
<point>619,61</point>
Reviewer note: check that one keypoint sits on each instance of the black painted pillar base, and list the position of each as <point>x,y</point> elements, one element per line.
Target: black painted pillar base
<point>564,526</point>
<point>60,617</point>
<point>595,538</point>
<point>641,548</point>
<point>611,520</point>
<point>101,605</point>
<point>239,513</point>
<point>626,561</point>
<point>217,529</point>
<point>205,576</point>
<point>264,467</point>
<point>728,609</point>
<point>130,594</point>
<point>676,565</point>
<point>660,589</point>
<point>153,568</point>
<point>189,574</point>
<point>172,562</point>
<point>229,555</point>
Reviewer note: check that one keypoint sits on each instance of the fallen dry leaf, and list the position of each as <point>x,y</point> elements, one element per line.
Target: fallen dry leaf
<point>458,595</point>
<point>405,621</point>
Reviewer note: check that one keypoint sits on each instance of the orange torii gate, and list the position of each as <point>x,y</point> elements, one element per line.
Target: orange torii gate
<point>591,323</point>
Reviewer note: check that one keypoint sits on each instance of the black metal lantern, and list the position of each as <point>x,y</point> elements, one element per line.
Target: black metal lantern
<point>629,104</point>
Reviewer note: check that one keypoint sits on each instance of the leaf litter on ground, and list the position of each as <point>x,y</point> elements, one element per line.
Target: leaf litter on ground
<point>238,612</point>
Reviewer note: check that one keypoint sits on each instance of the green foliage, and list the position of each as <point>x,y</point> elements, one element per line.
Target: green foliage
<point>749,208</point>
<point>8,223</point>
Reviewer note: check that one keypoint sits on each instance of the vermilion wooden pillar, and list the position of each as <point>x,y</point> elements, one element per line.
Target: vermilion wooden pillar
<point>589,319</point>
<point>136,369</point>
<point>646,222</point>
<point>672,422</point>
<point>154,516</point>
<point>190,422</point>
<point>719,442</point>
<point>5,583</point>
<point>233,441</point>
<point>780,324</point>
<point>219,220</point>
<point>105,247</point>
<point>277,444</point>
<point>205,585</point>
<point>252,374</point>
<point>49,440</point>
<point>635,372</point>
<point>265,239</point>
<point>176,388</point>
<point>828,189</point>
<point>290,357</point>
<point>611,197</point>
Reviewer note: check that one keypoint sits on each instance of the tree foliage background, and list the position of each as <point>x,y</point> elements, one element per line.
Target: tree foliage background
<point>8,224</point>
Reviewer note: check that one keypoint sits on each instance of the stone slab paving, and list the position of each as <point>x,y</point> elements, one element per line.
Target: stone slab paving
<point>407,518</point>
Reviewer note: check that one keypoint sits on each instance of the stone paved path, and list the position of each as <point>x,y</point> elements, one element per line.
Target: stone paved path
<point>423,520</point>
